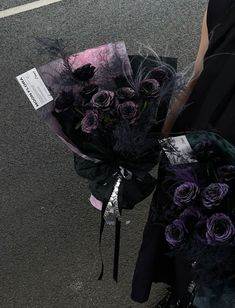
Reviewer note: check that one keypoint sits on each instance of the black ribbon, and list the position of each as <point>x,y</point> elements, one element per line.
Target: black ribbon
<point>102,223</point>
<point>102,177</point>
<point>116,246</point>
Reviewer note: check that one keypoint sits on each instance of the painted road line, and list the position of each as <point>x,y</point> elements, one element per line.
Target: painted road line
<point>26,7</point>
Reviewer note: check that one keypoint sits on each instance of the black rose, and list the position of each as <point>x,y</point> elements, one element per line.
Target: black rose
<point>226,173</point>
<point>88,91</point>
<point>125,94</point>
<point>220,229</point>
<point>128,111</point>
<point>207,150</point>
<point>84,73</point>
<point>185,194</point>
<point>64,101</point>
<point>103,100</point>
<point>160,75</point>
<point>175,233</point>
<point>214,194</point>
<point>190,216</point>
<point>90,122</point>
<point>149,88</point>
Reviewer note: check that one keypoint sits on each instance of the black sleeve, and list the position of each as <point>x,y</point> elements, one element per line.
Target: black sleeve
<point>216,12</point>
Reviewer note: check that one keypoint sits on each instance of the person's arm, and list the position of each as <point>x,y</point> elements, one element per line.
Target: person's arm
<point>179,101</point>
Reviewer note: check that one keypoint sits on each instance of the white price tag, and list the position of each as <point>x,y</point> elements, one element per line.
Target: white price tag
<point>178,150</point>
<point>34,88</point>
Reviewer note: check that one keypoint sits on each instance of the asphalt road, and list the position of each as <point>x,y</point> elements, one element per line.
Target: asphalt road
<point>48,231</point>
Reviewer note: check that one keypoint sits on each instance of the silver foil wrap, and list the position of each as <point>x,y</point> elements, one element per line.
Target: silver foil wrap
<point>112,210</point>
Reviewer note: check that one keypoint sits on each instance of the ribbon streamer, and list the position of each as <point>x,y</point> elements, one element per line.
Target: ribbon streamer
<point>112,212</point>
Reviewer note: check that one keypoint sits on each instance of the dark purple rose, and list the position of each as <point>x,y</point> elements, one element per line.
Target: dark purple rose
<point>128,111</point>
<point>190,216</point>
<point>64,101</point>
<point>103,100</point>
<point>200,231</point>
<point>207,150</point>
<point>84,73</point>
<point>213,194</point>
<point>185,194</point>
<point>226,173</point>
<point>220,229</point>
<point>125,94</point>
<point>175,233</point>
<point>88,91</point>
<point>149,88</point>
<point>159,74</point>
<point>90,122</point>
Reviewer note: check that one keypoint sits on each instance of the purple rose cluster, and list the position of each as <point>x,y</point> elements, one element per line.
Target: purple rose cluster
<point>104,107</point>
<point>201,214</point>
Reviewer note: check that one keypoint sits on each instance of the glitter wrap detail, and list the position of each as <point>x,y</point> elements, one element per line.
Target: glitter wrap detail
<point>112,210</point>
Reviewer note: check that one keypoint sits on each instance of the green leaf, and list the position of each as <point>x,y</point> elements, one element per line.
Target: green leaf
<point>144,106</point>
<point>78,125</point>
<point>107,118</point>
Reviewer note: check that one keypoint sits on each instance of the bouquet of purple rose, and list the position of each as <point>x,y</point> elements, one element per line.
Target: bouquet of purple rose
<point>112,110</point>
<point>108,108</point>
<point>198,209</point>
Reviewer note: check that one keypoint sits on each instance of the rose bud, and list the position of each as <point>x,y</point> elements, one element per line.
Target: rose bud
<point>190,216</point>
<point>149,88</point>
<point>64,101</point>
<point>88,91</point>
<point>200,231</point>
<point>125,94</point>
<point>159,74</point>
<point>213,194</point>
<point>207,150</point>
<point>226,173</point>
<point>185,194</point>
<point>128,111</point>
<point>103,100</point>
<point>90,122</point>
<point>175,233</point>
<point>220,229</point>
<point>84,73</point>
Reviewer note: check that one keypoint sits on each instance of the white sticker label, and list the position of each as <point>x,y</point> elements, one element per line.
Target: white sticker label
<point>34,88</point>
<point>178,150</point>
